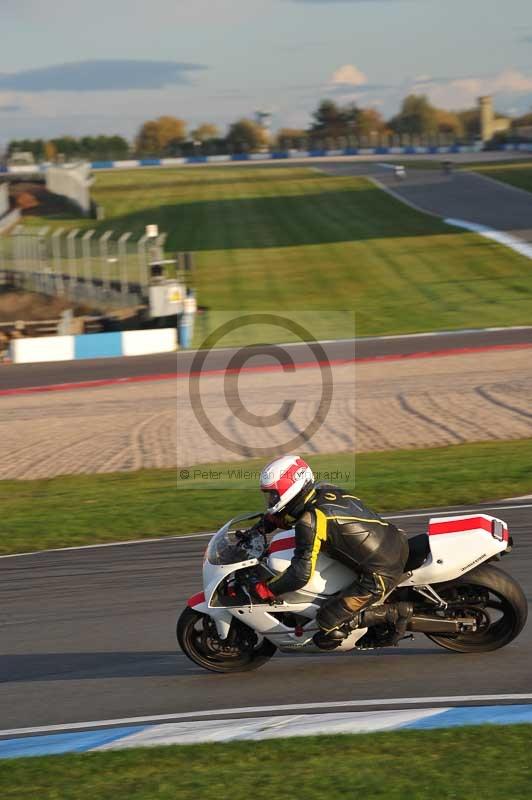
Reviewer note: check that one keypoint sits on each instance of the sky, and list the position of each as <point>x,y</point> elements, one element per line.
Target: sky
<point>105,66</point>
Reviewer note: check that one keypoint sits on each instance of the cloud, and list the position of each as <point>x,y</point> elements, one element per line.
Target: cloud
<point>349,75</point>
<point>86,76</point>
<point>10,108</point>
<point>507,86</point>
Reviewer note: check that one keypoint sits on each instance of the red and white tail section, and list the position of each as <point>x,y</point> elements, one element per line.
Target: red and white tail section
<point>469,524</point>
<point>458,545</point>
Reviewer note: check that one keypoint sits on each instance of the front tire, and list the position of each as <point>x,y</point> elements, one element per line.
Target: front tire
<point>197,638</point>
<point>502,615</point>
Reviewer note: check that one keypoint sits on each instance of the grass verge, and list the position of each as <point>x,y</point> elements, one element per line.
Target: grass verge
<point>477,762</point>
<point>87,509</point>
<point>292,239</point>
<point>519,174</point>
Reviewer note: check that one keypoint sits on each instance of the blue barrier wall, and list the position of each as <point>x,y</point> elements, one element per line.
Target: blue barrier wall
<point>348,151</point>
<point>98,345</point>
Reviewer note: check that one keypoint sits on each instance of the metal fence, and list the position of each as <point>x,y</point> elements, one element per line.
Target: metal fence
<point>81,264</point>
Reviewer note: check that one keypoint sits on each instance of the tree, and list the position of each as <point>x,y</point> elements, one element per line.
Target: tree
<point>287,138</point>
<point>161,136</point>
<point>449,123</point>
<point>523,122</point>
<point>68,146</point>
<point>369,122</point>
<point>329,119</point>
<point>416,117</point>
<point>205,132</point>
<point>34,146</point>
<point>246,135</point>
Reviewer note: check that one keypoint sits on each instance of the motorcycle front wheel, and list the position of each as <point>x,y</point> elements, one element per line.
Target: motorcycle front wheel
<point>198,639</point>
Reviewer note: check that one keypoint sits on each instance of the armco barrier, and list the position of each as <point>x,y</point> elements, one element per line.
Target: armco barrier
<point>93,345</point>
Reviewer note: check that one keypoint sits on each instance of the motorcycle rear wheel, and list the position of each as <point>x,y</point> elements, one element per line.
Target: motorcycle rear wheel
<point>505,597</point>
<point>208,652</point>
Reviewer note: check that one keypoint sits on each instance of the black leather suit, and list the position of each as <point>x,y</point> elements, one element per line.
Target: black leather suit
<point>337,523</point>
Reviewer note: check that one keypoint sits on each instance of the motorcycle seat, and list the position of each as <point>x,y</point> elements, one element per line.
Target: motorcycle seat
<point>419,549</point>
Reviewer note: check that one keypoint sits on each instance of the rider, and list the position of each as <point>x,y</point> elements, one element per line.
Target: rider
<point>327,518</point>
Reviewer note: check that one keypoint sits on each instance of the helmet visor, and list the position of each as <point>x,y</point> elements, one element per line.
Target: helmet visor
<point>271,496</point>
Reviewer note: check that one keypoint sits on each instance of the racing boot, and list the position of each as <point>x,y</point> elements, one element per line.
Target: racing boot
<point>329,640</point>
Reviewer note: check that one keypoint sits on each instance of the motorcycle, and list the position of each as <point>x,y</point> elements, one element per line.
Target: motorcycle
<point>450,591</point>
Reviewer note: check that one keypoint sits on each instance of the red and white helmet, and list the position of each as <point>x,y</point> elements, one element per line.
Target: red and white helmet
<point>283,479</point>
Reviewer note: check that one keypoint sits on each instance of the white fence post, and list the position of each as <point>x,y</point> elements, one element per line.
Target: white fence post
<point>87,261</point>
<point>122,258</point>
<point>71,255</point>
<point>104,255</point>
<point>142,251</point>
<point>56,256</point>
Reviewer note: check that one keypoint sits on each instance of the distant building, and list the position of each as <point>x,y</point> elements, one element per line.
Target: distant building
<point>21,158</point>
<point>490,123</point>
<point>264,119</point>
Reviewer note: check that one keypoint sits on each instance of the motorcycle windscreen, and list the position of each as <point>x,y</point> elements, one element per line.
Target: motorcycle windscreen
<point>226,548</point>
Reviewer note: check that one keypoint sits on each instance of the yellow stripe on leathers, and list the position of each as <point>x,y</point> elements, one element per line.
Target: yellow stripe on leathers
<point>359,519</point>
<point>383,585</point>
<point>321,536</point>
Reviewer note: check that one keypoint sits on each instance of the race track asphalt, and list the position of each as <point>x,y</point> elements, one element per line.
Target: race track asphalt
<point>89,635</point>
<point>15,376</point>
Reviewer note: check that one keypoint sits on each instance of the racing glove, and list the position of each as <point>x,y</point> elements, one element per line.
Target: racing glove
<point>262,591</point>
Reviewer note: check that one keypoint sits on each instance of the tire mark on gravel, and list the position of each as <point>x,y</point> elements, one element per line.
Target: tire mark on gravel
<point>53,455</point>
<point>367,428</point>
<point>405,405</point>
<point>514,409</point>
<point>467,421</point>
<point>136,446</point>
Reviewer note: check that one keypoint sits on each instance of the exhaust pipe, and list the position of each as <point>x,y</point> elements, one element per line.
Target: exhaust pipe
<point>426,623</point>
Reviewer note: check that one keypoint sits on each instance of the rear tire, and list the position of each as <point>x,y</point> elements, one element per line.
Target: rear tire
<point>206,650</point>
<point>505,597</point>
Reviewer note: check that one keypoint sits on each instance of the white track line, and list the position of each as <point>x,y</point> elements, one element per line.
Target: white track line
<point>399,701</point>
<point>184,537</point>
<point>433,334</point>
<point>402,199</point>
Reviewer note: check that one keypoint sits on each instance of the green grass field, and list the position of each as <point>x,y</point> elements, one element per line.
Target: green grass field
<point>293,239</point>
<point>86,509</point>
<point>476,763</point>
<point>516,174</point>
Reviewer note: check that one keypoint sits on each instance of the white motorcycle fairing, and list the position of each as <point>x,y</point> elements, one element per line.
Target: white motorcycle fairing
<point>455,546</point>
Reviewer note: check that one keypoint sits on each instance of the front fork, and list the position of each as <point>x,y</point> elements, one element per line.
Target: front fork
<point>220,616</point>
<point>222,619</point>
